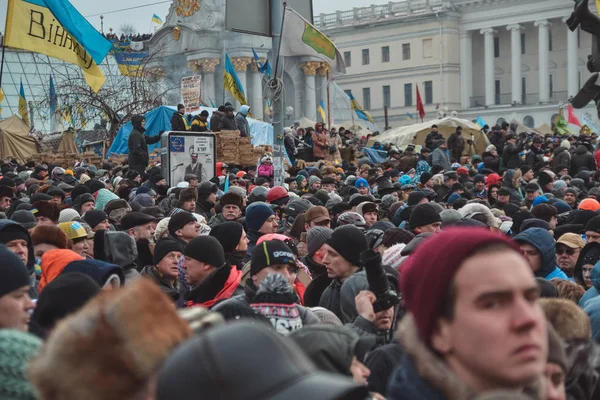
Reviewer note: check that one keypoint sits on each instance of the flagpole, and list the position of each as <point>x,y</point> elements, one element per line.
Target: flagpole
<point>2,62</point>
<point>280,33</point>
<point>328,103</point>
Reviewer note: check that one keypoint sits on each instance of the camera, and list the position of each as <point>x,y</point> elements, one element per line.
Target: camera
<point>378,282</point>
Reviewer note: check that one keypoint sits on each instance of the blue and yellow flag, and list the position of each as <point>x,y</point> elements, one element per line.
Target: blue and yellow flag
<point>82,119</point>
<point>361,113</point>
<point>1,98</point>
<point>232,82</point>
<point>53,98</point>
<point>34,25</point>
<point>23,112</point>
<point>130,62</point>
<point>156,19</point>
<point>263,68</point>
<point>321,110</point>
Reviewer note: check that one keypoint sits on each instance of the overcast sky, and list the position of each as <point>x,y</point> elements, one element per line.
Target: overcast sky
<point>141,17</point>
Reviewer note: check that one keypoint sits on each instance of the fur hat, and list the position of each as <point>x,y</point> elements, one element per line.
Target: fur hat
<point>188,194</point>
<point>125,334</point>
<point>46,209</point>
<point>267,157</point>
<point>480,213</point>
<point>567,319</point>
<point>49,234</point>
<point>231,198</point>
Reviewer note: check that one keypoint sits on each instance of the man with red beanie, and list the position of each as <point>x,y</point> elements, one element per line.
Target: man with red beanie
<point>473,322</point>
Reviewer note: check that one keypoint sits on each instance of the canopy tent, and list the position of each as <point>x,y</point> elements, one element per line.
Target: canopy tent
<point>545,129</point>
<point>417,133</point>
<point>67,143</point>
<point>159,120</point>
<point>356,128</point>
<point>522,128</point>
<point>15,140</point>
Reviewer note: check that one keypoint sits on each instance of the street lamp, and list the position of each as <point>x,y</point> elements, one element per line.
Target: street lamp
<point>102,24</point>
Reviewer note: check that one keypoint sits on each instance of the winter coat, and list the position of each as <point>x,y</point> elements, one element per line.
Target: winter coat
<point>497,139</point>
<point>440,157</point>
<point>253,237</point>
<point>535,158</point>
<point>241,122</point>
<point>138,158</point>
<point>422,375</point>
<point>265,170</point>
<point>582,158</point>
<point>381,362</point>
<point>511,157</point>
<point>245,299</point>
<point>227,123</point>
<point>7,225</point>
<point>221,284</point>
<point>320,147</point>
<point>334,141</point>
<point>515,193</point>
<point>561,157</point>
<point>491,161</point>
<point>198,125</point>
<point>171,289</point>
<point>407,162</point>
<point>431,138</point>
<point>204,208</point>
<point>217,220</point>
<point>594,291</point>
<point>544,243</point>
<point>179,122</point>
<point>456,145</point>
<point>330,299</point>
<point>592,309</point>
<point>583,377</point>
<point>215,119</point>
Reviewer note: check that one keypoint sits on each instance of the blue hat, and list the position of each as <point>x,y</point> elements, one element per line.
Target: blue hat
<point>361,182</point>
<point>405,180</point>
<point>453,197</point>
<point>539,200</point>
<point>257,214</point>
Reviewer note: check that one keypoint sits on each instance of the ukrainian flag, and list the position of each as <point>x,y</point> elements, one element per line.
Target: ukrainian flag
<point>23,105</point>
<point>232,82</point>
<point>321,110</point>
<point>361,113</point>
<point>156,19</point>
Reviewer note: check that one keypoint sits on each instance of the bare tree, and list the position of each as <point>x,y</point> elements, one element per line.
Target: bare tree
<point>118,100</point>
<point>128,29</point>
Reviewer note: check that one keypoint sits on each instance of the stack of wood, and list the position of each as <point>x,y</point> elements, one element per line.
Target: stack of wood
<point>246,151</point>
<point>65,160</point>
<point>117,159</point>
<point>228,143</point>
<point>91,158</point>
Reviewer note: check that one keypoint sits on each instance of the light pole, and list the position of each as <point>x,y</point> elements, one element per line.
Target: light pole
<point>102,24</point>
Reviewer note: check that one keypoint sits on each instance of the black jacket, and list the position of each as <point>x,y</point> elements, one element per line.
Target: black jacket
<point>381,362</point>
<point>511,156</point>
<point>177,122</point>
<point>582,158</point>
<point>204,208</point>
<point>138,146</point>
<point>214,120</point>
<point>497,139</point>
<point>561,157</point>
<point>171,289</point>
<point>535,158</point>
<point>227,124</point>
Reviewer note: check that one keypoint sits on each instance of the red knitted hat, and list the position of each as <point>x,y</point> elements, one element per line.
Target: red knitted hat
<point>426,275</point>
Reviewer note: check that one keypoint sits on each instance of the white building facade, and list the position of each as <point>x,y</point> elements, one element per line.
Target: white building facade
<point>510,59</point>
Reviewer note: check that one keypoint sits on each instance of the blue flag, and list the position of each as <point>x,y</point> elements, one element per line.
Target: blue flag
<point>78,27</point>
<point>53,98</point>
<point>263,68</point>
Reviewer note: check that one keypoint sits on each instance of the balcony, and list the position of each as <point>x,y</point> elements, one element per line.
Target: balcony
<point>529,99</point>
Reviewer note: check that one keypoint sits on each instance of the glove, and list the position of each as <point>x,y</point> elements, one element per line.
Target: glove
<point>370,257</point>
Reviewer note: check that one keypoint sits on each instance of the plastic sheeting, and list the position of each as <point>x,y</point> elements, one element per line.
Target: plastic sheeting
<point>15,140</point>
<point>375,156</point>
<point>159,120</point>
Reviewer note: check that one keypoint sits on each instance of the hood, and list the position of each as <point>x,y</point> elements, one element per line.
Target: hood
<point>120,249</point>
<point>581,149</point>
<point>244,110</point>
<point>98,270</point>
<point>136,122</point>
<point>543,241</point>
<point>559,150</point>
<point>508,178</point>
<point>9,225</point>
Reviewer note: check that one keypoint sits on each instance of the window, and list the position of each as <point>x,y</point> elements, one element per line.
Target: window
<point>427,48</point>
<point>523,90</point>
<point>428,92</point>
<point>549,39</point>
<point>529,122</point>
<point>387,96</point>
<point>497,92</point>
<point>348,92</point>
<point>365,57</point>
<point>550,87</point>
<point>406,51</point>
<point>496,47</point>
<point>522,43</point>
<point>367,98</point>
<point>385,54</point>
<point>408,95</point>
<point>347,58</point>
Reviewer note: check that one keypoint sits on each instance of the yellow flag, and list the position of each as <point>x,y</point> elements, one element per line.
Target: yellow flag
<point>1,95</point>
<point>34,28</point>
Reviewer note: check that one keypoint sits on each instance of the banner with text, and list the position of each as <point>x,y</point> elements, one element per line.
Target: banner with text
<point>191,91</point>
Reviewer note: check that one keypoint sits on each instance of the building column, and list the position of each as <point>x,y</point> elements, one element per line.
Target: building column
<point>572,66</point>
<point>241,66</point>
<point>322,95</point>
<point>515,62</point>
<point>544,59</point>
<point>207,67</point>
<point>256,90</point>
<point>488,39</point>
<point>310,96</point>
<point>466,69</point>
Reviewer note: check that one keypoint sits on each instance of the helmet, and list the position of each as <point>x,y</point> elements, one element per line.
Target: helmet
<point>297,207</point>
<point>351,218</point>
<point>276,193</point>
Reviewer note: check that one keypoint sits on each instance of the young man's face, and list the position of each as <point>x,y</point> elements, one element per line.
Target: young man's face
<point>104,225</point>
<point>503,198</point>
<point>479,186</point>
<point>570,198</point>
<point>14,309</point>
<point>270,225</point>
<point>450,182</point>
<point>330,187</point>
<point>337,267</point>
<point>5,203</point>
<point>531,195</point>
<point>190,231</point>
<point>293,185</point>
<point>436,227</point>
<point>370,217</point>
<point>495,301</point>
<point>189,206</point>
<point>532,255</point>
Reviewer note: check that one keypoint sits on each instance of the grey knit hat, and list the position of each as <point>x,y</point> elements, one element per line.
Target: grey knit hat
<point>313,179</point>
<point>316,238</point>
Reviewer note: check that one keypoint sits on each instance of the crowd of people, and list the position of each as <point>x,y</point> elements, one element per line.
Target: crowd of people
<point>432,275</point>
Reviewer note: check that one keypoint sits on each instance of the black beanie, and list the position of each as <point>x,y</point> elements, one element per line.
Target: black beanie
<point>424,214</point>
<point>78,190</point>
<point>164,246</point>
<point>349,242</point>
<point>270,252</point>
<point>593,225</point>
<point>425,177</point>
<point>13,273</point>
<point>14,232</point>
<point>94,217</point>
<point>228,234</point>
<point>180,220</point>
<point>63,296</point>
<point>206,249</point>
<point>415,197</point>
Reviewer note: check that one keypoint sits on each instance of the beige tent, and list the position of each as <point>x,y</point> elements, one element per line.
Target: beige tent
<point>67,143</point>
<point>545,129</point>
<point>522,128</point>
<point>417,133</point>
<point>15,140</point>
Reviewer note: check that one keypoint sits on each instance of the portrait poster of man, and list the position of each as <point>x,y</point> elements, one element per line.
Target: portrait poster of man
<point>191,155</point>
